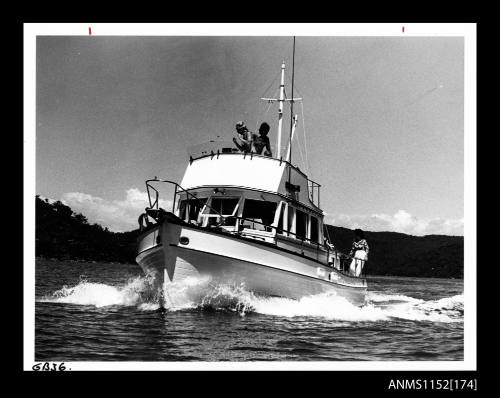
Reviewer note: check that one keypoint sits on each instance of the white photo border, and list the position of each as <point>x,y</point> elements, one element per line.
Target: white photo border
<point>466,30</point>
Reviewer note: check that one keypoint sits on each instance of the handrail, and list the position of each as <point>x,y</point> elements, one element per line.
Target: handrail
<point>176,187</point>
<point>343,257</point>
<point>288,232</point>
<point>298,237</point>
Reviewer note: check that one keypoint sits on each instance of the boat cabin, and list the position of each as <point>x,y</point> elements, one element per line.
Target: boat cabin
<point>253,196</point>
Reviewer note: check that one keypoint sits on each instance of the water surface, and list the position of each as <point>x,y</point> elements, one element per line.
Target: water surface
<point>109,312</point>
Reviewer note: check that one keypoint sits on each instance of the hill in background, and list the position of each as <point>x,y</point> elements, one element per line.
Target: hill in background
<point>393,253</point>
<point>63,234</point>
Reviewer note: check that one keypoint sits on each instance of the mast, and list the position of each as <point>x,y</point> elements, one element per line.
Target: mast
<point>280,110</point>
<point>281,100</point>
<point>292,116</point>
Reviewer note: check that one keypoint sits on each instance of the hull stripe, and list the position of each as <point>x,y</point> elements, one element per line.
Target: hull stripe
<point>249,240</point>
<point>329,283</point>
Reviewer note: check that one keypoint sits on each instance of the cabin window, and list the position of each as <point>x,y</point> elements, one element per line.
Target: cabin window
<point>221,206</point>
<point>280,220</point>
<point>314,230</point>
<point>194,206</point>
<point>291,216</point>
<point>182,209</point>
<point>224,206</point>
<point>300,224</point>
<point>260,212</point>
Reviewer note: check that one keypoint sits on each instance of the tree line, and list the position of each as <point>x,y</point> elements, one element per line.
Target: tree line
<point>64,234</point>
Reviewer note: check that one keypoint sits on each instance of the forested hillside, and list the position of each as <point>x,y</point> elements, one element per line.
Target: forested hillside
<point>64,234</point>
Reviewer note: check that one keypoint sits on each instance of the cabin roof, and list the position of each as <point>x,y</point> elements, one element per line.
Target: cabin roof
<point>250,171</point>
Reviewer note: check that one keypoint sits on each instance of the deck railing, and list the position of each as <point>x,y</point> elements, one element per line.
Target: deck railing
<point>154,205</point>
<point>191,197</point>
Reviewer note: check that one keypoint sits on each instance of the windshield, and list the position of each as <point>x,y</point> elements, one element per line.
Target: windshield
<point>222,206</point>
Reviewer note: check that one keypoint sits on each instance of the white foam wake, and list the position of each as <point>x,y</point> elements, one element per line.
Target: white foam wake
<point>200,293</point>
<point>137,291</point>
<point>448,309</point>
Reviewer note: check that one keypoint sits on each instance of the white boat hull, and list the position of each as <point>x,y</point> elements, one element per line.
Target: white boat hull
<point>261,268</point>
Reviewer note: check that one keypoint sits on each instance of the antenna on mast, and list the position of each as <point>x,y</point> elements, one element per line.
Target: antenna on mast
<point>281,100</point>
<point>292,125</point>
<point>280,110</point>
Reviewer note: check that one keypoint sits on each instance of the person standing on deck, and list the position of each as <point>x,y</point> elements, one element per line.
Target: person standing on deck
<point>260,143</point>
<point>359,253</point>
<point>244,140</point>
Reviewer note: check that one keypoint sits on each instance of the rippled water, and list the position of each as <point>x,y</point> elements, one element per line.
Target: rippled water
<point>109,312</point>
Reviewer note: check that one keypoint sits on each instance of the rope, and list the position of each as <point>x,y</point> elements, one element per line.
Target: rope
<point>291,108</point>
<point>306,164</point>
<point>300,149</point>
<point>265,114</point>
<point>308,167</point>
<point>259,112</point>
<point>272,81</point>
<point>263,95</point>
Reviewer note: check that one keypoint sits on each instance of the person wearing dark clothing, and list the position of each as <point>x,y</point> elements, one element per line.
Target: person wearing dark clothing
<point>244,140</point>
<point>144,221</point>
<point>260,143</point>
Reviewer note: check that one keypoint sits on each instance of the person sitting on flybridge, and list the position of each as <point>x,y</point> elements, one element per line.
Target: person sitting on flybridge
<point>359,253</point>
<point>244,140</point>
<point>260,143</point>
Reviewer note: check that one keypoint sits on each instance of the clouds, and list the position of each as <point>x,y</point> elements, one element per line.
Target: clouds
<point>117,215</point>
<point>121,215</point>
<point>401,221</point>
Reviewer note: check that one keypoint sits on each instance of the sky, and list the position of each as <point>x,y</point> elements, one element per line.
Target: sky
<point>381,119</point>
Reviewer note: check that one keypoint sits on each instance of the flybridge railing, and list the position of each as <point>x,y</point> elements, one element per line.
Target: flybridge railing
<point>210,148</point>
<point>214,149</point>
<point>154,205</point>
<point>217,147</point>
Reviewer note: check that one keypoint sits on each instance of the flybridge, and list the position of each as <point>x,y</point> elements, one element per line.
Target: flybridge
<point>221,168</point>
